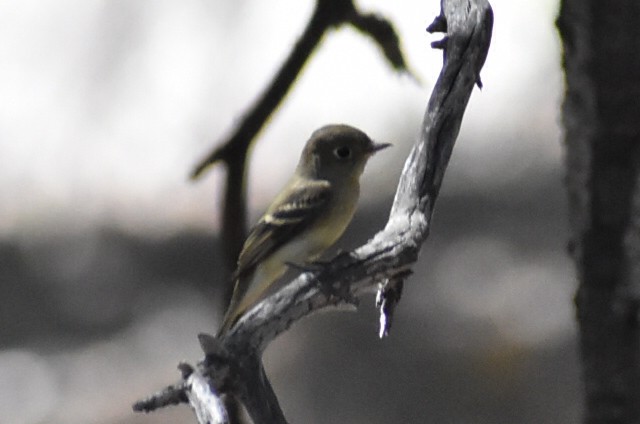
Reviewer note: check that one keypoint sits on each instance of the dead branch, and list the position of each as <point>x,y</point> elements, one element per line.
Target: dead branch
<point>233,152</point>
<point>233,364</point>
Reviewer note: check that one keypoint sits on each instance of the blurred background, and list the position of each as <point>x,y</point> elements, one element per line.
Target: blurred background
<point>109,259</point>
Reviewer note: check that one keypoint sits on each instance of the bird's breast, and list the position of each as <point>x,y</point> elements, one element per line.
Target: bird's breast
<point>323,232</point>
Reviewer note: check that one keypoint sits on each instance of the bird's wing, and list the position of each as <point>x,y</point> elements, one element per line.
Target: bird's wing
<point>288,218</point>
<point>291,217</point>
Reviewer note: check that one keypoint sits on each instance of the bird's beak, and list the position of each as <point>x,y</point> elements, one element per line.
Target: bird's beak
<point>376,147</point>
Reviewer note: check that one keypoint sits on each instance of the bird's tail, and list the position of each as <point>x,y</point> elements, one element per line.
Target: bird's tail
<point>241,300</point>
<point>228,321</point>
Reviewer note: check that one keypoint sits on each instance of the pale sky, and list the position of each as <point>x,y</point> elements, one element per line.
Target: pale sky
<point>106,105</point>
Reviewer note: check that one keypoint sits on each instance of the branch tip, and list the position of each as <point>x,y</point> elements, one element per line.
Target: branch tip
<point>387,298</point>
<point>209,344</point>
<point>219,154</point>
<point>440,44</point>
<point>385,36</point>
<point>185,369</point>
<point>439,24</point>
<point>171,395</point>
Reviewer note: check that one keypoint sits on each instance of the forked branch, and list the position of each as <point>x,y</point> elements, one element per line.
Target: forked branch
<point>234,150</point>
<point>233,364</point>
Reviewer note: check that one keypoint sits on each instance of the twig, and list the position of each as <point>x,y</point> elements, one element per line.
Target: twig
<point>327,14</point>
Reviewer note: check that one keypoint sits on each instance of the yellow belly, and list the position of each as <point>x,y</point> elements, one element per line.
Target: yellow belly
<point>306,247</point>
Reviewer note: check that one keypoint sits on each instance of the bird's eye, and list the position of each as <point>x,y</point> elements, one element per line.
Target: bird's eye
<point>342,152</point>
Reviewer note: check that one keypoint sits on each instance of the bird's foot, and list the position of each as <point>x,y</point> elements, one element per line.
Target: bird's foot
<point>338,290</point>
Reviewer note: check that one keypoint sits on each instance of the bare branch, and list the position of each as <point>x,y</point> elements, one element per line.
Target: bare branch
<point>205,402</point>
<point>390,252</point>
<point>170,395</point>
<point>232,363</point>
<point>194,389</point>
<point>241,373</point>
<point>326,15</point>
<point>233,152</point>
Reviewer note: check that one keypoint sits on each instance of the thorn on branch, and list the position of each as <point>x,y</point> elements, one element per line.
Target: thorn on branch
<point>439,24</point>
<point>209,344</point>
<point>440,44</point>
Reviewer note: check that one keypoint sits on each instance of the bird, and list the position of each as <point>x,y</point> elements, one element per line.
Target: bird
<point>306,218</point>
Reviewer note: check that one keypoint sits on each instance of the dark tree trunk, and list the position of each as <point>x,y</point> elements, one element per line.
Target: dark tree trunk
<point>601,115</point>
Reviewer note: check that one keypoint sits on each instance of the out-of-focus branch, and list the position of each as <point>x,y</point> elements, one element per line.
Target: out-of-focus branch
<point>232,363</point>
<point>327,14</point>
<point>233,151</point>
<point>384,35</point>
<point>389,253</point>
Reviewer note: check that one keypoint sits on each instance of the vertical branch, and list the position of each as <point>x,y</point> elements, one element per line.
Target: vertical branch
<point>234,151</point>
<point>258,396</point>
<point>234,224</point>
<point>601,116</point>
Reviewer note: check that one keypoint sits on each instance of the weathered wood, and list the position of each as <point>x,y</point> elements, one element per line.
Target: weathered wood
<point>233,363</point>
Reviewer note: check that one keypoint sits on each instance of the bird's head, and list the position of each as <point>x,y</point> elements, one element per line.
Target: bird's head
<point>336,152</point>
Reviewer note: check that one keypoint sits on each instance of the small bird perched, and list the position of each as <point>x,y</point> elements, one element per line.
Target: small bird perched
<point>308,215</point>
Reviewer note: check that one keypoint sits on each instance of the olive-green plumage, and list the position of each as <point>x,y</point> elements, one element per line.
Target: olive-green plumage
<point>308,215</point>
